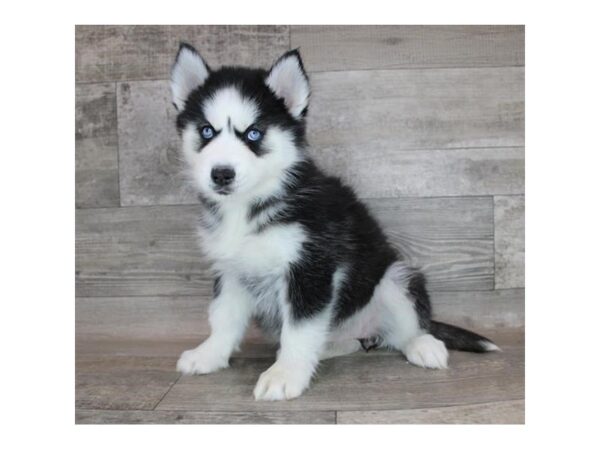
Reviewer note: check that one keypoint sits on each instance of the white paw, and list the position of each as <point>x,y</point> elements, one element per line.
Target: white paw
<point>281,383</point>
<point>427,351</point>
<point>201,360</point>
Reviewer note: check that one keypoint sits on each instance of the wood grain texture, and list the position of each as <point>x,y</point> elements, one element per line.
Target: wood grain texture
<point>139,251</point>
<point>511,412</point>
<point>509,216</point>
<point>151,169</point>
<point>417,109</point>
<point>149,251</point>
<point>111,381</point>
<point>435,218</point>
<point>253,346</point>
<point>151,318</point>
<point>449,239</point>
<point>364,381</point>
<point>130,322</point>
<point>327,48</point>
<point>200,417</point>
<point>392,173</point>
<point>118,386</point>
<point>498,309</point>
<point>385,132</point>
<point>426,123</point>
<point>136,52</point>
<point>96,153</point>
<point>176,323</point>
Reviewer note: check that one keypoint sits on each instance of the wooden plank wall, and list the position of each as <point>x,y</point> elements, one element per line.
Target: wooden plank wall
<point>426,122</point>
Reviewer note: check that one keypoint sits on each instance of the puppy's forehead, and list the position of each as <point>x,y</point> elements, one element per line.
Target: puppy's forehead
<point>228,106</point>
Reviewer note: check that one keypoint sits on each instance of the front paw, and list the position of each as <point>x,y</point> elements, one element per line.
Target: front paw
<point>281,383</point>
<point>200,360</point>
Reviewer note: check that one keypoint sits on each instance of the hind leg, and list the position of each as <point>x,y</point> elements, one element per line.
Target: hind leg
<point>405,309</point>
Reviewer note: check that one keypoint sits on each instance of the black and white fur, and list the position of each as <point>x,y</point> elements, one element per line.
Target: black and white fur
<point>291,247</point>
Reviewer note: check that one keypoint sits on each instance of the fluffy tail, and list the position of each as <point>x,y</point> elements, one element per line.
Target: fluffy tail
<point>457,338</point>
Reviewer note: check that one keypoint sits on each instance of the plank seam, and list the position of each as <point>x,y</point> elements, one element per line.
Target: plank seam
<point>494,233</point>
<point>496,402</point>
<point>165,394</point>
<point>408,197</point>
<point>311,72</point>
<point>198,297</point>
<point>118,146</point>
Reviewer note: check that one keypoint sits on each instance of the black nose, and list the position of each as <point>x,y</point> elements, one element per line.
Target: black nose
<point>222,175</point>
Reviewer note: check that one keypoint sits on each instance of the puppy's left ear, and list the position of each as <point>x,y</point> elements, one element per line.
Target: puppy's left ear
<point>188,73</point>
<point>288,81</point>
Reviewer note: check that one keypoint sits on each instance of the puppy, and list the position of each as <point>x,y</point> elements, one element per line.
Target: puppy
<point>290,247</point>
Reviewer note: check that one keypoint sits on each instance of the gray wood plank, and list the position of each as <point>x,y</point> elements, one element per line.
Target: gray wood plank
<point>509,214</point>
<point>450,239</point>
<point>511,412</point>
<point>129,323</point>
<point>254,345</point>
<point>373,127</point>
<point>200,417</point>
<point>149,251</point>
<point>141,318</point>
<point>364,381</point>
<point>173,324</point>
<point>497,309</point>
<point>165,326</point>
<point>417,109</point>
<point>134,52</point>
<point>150,164</point>
<point>391,173</point>
<point>326,48</point>
<point>139,251</point>
<point>122,382</point>
<point>96,153</point>
<point>89,345</point>
<point>385,132</point>
<point>436,217</point>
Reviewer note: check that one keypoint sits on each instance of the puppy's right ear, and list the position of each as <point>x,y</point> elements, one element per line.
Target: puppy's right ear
<point>189,72</point>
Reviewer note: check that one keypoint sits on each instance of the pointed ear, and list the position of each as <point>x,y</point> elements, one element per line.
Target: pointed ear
<point>189,72</point>
<point>288,81</point>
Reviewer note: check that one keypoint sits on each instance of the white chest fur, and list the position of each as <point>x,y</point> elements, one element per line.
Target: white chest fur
<point>232,242</point>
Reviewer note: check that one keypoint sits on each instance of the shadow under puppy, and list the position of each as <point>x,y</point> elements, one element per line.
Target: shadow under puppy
<point>289,245</point>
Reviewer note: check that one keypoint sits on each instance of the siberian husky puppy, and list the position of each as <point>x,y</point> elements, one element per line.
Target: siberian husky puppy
<point>291,247</point>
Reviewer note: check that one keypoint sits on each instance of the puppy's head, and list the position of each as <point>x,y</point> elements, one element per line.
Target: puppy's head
<point>242,129</point>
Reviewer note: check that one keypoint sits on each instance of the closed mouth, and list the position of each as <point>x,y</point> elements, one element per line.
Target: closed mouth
<point>224,190</point>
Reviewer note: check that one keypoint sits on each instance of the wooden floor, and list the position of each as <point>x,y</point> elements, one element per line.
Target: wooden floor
<point>135,382</point>
<point>426,123</point>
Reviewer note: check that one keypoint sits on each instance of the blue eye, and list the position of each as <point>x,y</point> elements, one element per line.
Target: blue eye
<point>254,135</point>
<point>207,132</point>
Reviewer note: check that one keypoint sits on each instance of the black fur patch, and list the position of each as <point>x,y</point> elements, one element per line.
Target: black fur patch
<point>457,338</point>
<point>217,286</point>
<point>342,233</point>
<point>251,84</point>
<point>260,206</point>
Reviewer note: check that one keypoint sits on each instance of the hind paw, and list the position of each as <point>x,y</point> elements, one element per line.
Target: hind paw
<point>427,351</point>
